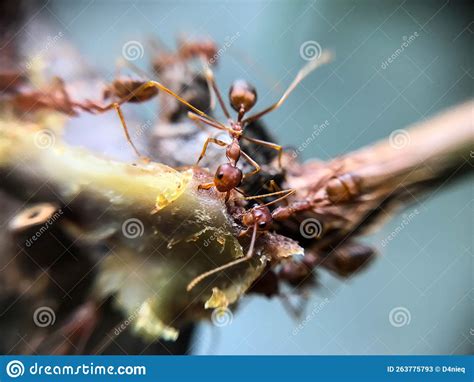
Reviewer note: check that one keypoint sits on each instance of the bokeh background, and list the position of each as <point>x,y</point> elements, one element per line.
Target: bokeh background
<point>417,297</point>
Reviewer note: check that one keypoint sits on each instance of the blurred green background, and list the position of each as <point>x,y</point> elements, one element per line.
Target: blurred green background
<point>426,270</point>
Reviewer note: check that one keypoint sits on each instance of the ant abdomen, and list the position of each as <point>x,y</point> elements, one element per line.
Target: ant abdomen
<point>342,189</point>
<point>286,212</point>
<point>242,95</point>
<point>128,88</point>
<point>227,177</point>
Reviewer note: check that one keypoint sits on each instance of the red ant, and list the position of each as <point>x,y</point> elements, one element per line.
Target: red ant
<point>57,98</point>
<point>258,219</point>
<point>121,90</point>
<point>204,49</point>
<point>242,97</point>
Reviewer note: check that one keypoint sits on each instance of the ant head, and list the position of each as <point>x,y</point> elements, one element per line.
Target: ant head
<point>260,215</point>
<point>227,177</point>
<point>242,95</point>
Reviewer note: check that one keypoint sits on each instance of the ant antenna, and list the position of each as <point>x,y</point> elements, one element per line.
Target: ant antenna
<point>212,103</point>
<point>286,193</point>
<point>325,58</point>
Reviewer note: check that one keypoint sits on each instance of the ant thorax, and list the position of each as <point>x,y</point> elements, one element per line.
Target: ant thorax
<point>237,129</point>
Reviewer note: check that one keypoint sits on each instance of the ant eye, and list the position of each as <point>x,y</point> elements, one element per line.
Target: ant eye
<point>220,175</point>
<point>262,224</point>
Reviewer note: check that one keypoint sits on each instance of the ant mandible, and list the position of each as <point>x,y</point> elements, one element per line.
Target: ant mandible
<point>258,219</point>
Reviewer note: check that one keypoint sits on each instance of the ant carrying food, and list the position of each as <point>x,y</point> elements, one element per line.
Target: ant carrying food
<point>257,219</point>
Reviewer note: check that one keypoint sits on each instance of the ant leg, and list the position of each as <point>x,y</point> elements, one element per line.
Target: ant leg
<point>198,118</point>
<point>205,186</point>
<point>65,103</point>
<point>212,101</point>
<point>159,86</point>
<point>149,84</point>
<point>252,162</point>
<point>274,187</point>
<point>204,148</point>
<point>240,191</point>
<point>285,194</point>
<point>324,58</point>
<point>294,311</point>
<point>271,145</point>
<point>248,256</point>
<point>127,135</point>
<point>210,78</point>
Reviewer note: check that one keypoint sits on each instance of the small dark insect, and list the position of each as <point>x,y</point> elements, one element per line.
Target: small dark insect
<point>257,219</point>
